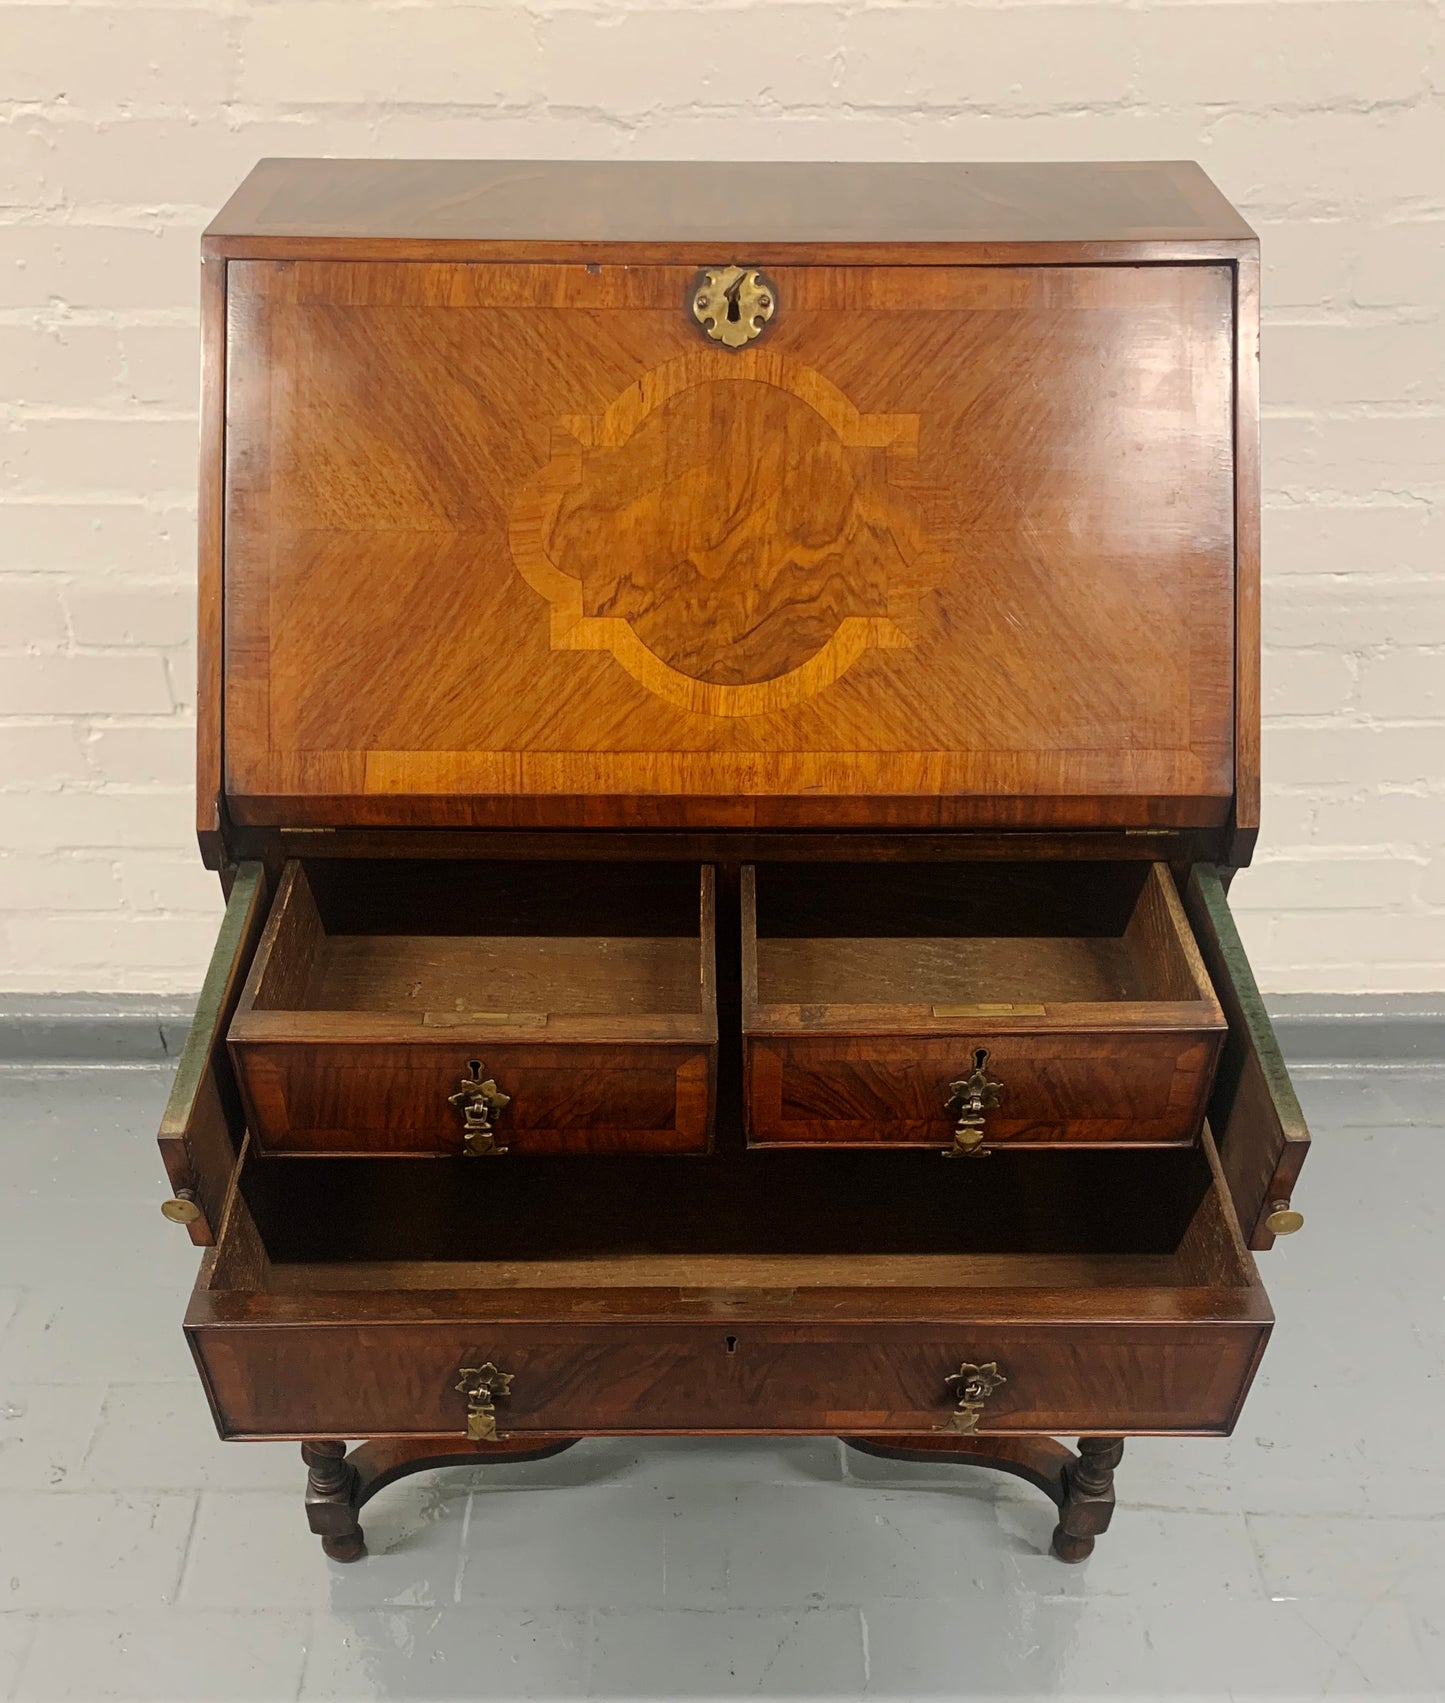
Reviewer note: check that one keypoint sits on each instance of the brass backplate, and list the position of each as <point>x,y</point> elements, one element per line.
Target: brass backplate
<point>482,1385</point>
<point>968,1099</point>
<point>973,1384</point>
<point>479,1100</point>
<point>733,304</point>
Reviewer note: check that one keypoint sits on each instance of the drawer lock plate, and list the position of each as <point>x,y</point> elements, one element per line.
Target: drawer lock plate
<point>733,304</point>
<point>972,1385</point>
<point>482,1386</point>
<point>968,1099</point>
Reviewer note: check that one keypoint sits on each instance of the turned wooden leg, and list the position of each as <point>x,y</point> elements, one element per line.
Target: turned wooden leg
<point>331,1500</point>
<point>339,1485</point>
<point>1088,1503</point>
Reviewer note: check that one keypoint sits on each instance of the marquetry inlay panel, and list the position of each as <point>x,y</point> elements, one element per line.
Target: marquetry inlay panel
<point>727,583</point>
<point>510,543</point>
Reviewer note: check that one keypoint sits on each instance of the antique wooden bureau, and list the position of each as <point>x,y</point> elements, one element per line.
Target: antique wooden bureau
<point>728,709</point>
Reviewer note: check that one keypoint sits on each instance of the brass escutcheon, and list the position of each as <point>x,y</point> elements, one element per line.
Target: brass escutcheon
<point>968,1099</point>
<point>973,1385</point>
<point>483,1386</point>
<point>479,1100</point>
<point>733,304</point>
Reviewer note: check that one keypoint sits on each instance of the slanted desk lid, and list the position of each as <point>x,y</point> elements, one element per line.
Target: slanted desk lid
<point>530,543</point>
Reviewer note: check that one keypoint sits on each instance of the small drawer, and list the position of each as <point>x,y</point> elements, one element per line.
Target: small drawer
<point>970,1006</point>
<point>447,1008</point>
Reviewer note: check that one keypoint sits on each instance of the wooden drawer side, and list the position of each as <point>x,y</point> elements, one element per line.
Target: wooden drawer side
<point>203,1123</point>
<point>1254,1112</point>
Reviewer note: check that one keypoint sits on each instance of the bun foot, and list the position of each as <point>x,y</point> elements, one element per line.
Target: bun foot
<point>349,1547</point>
<point>1071,1549</point>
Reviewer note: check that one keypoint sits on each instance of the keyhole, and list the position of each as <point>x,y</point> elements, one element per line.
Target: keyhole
<point>732,1344</point>
<point>475,1066</point>
<point>980,1058</point>
<point>734,313</point>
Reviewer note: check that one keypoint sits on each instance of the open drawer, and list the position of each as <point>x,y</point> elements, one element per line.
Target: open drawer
<point>1261,1136</point>
<point>966,1006</point>
<point>410,1007</point>
<point>786,1292</point>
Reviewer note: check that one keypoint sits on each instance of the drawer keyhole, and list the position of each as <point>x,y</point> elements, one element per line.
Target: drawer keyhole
<point>731,1343</point>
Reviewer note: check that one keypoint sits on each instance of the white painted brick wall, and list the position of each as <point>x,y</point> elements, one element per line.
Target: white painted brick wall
<point>123,125</point>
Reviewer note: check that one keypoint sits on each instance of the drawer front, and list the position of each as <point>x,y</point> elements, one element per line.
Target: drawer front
<point>335,1098</point>
<point>391,1380</point>
<point>729,586</point>
<point>1054,1090</point>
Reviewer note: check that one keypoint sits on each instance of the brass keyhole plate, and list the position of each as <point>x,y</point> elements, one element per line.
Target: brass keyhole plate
<point>733,304</point>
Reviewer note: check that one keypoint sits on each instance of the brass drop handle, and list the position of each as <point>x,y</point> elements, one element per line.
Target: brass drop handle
<point>182,1208</point>
<point>479,1100</point>
<point>968,1099</point>
<point>733,304</point>
<point>972,1384</point>
<point>483,1386</point>
<point>1283,1220</point>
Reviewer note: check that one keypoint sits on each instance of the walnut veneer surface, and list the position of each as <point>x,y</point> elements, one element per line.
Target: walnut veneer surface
<point>757,767</point>
<point>870,570</point>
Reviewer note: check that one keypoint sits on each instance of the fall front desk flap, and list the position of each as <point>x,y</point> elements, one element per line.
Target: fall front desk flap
<point>794,545</point>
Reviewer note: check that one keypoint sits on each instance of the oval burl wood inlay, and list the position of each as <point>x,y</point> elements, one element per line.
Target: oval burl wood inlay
<point>726,529</point>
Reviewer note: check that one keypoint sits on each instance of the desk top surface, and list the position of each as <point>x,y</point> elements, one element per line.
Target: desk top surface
<point>644,201</point>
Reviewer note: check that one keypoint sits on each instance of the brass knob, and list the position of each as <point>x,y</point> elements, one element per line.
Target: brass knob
<point>1283,1220</point>
<point>182,1208</point>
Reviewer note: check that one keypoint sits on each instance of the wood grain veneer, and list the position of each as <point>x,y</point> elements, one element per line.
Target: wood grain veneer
<point>805,583</point>
<point>559,209</point>
<point>738,1342</point>
<point>725,749</point>
<point>363,1012</point>
<point>1085,990</point>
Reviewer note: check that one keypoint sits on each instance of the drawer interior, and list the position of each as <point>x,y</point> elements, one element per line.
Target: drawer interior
<point>445,944</point>
<point>960,940</point>
<point>766,1224</point>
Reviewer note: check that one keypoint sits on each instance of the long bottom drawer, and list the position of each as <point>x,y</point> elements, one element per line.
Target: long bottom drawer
<point>366,1380</point>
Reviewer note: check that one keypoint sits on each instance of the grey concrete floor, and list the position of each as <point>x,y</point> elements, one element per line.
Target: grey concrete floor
<point>141,1558</point>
